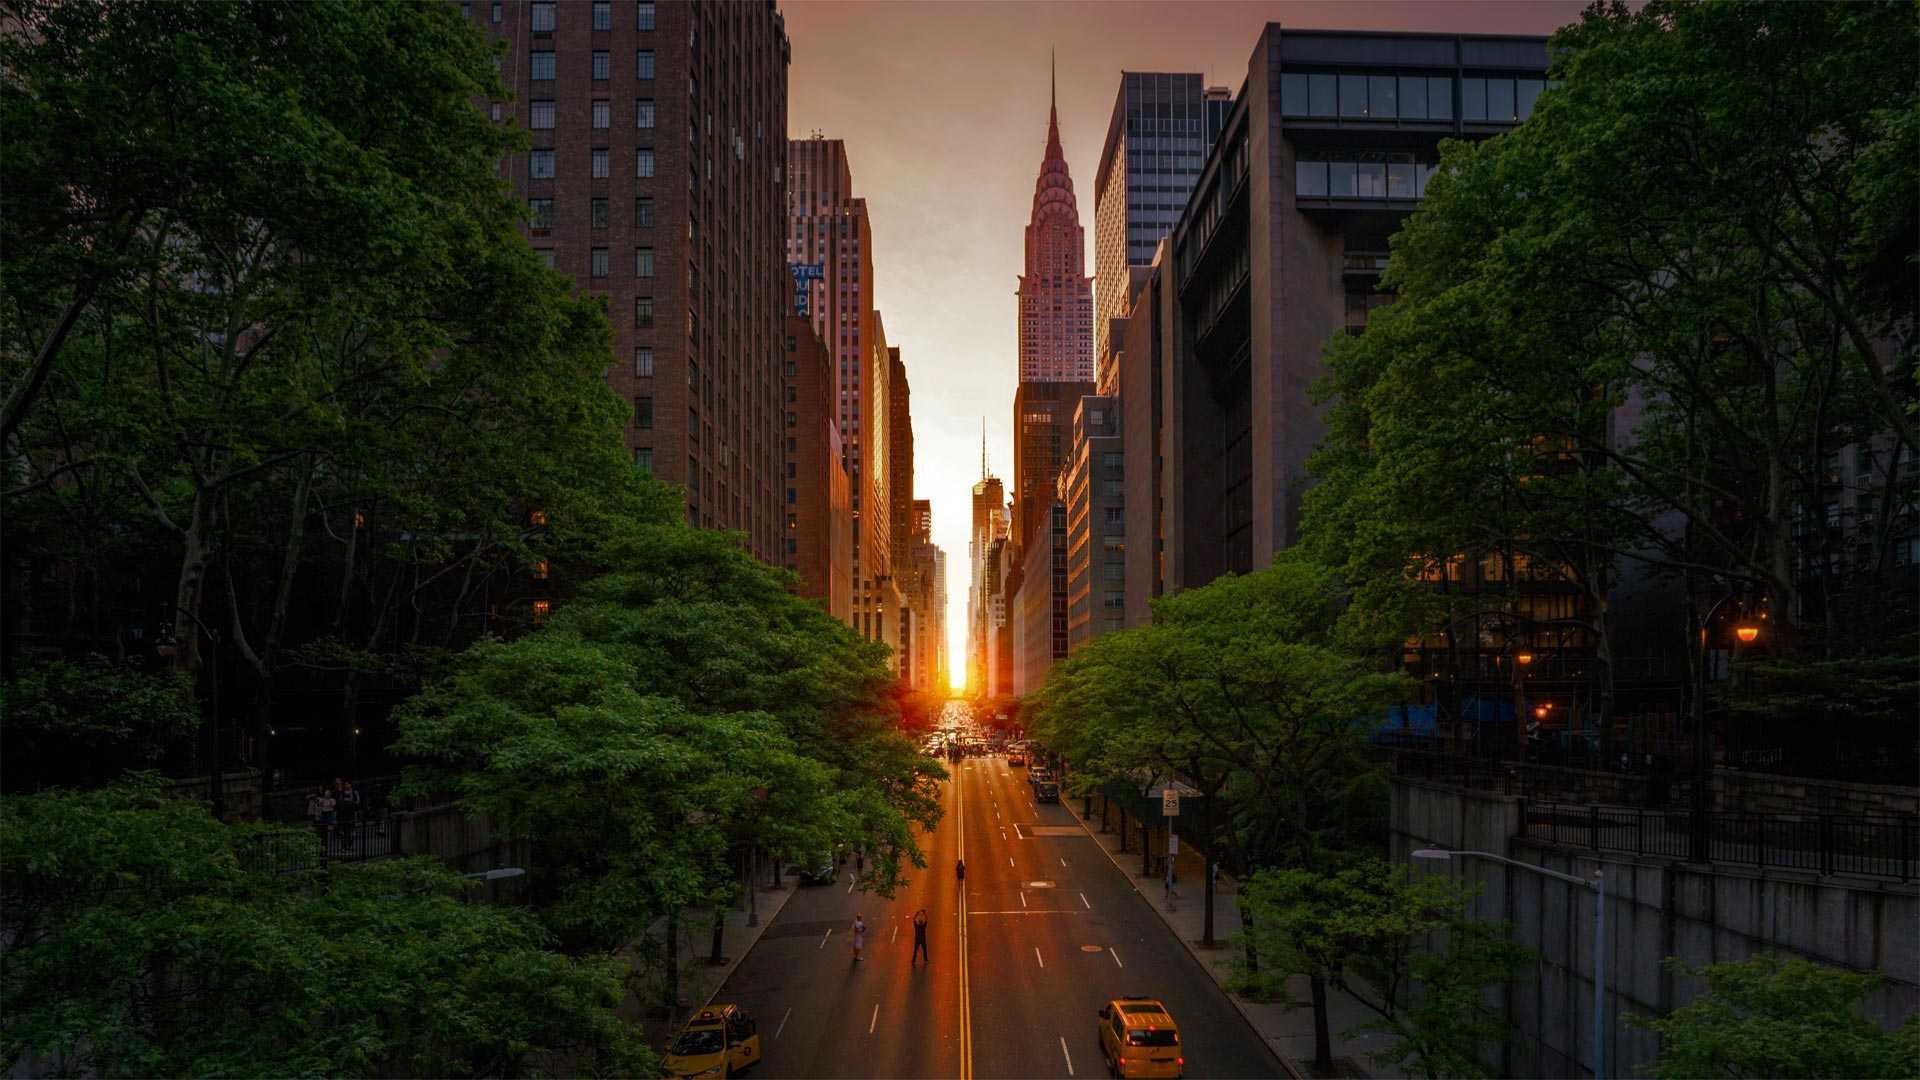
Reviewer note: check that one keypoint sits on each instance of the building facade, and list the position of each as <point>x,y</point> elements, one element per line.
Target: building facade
<point>655,178</point>
<point>1042,438</point>
<point>1162,127</point>
<point>1055,295</point>
<point>819,524</point>
<point>829,247</point>
<point>989,526</point>
<point>1093,494</point>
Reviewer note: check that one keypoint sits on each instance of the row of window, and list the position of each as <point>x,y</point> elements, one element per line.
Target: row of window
<point>542,113</point>
<point>642,262</point>
<point>541,164</point>
<point>540,213</point>
<point>545,14</point>
<point>1361,179</point>
<point>1407,97</point>
<point>543,65</point>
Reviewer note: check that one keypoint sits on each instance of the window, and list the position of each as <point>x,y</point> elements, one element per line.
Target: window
<point>1353,95</point>
<point>643,459</point>
<point>543,15</point>
<point>642,362</point>
<point>540,116</point>
<point>643,64</point>
<point>603,115</point>
<point>793,496</point>
<point>1473,99</point>
<point>540,165</point>
<point>599,213</point>
<point>599,262</point>
<point>793,419</point>
<point>496,112</point>
<point>1114,571</point>
<point>1500,103</point>
<point>1112,459</point>
<point>643,262</point>
<point>643,113</point>
<point>603,15</point>
<point>600,163</point>
<point>643,412</point>
<point>496,11</point>
<point>1310,178</point>
<point>541,70</point>
<point>540,213</point>
<point>643,15</point>
<point>602,65</point>
<point>1383,100</point>
<point>643,312</point>
<point>1413,97</point>
<point>643,163</point>
<point>643,212</point>
<point>546,257</point>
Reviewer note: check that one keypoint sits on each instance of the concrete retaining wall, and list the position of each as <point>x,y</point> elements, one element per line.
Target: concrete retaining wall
<point>1656,909</point>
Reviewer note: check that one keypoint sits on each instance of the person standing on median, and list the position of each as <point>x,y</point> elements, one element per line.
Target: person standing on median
<point>920,937</point>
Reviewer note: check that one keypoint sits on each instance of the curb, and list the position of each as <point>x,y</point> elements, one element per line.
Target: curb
<point>1238,1005</point>
<point>766,920</point>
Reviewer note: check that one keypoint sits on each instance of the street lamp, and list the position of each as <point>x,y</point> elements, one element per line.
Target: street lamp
<point>216,780</point>
<point>1700,847</point>
<point>1598,883</point>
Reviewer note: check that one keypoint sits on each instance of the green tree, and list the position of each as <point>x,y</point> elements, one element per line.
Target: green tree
<point>141,944</point>
<point>85,722</point>
<point>1781,1016</point>
<point>1365,930</point>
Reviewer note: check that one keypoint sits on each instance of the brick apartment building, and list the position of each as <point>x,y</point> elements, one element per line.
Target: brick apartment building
<point>656,180</point>
<point>819,525</point>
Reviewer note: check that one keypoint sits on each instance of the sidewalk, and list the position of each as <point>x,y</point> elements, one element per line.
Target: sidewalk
<point>1289,1032</point>
<point>700,980</point>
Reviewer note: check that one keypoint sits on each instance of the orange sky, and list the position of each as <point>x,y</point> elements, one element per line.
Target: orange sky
<point>943,106</point>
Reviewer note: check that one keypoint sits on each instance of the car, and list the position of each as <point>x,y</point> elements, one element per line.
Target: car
<point>1046,791</point>
<point>720,1040</point>
<point>1017,760</point>
<point>1138,1038</point>
<point>822,869</point>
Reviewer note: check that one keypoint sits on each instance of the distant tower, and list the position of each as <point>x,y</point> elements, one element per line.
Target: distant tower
<point>1056,295</point>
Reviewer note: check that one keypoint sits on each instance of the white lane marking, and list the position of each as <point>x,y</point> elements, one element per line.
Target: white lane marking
<point>823,940</point>
<point>1069,1057</point>
<point>875,1020</point>
<point>851,883</point>
<point>1063,860</point>
<point>1036,957</point>
<point>896,933</point>
<point>1009,860</point>
<point>1115,955</point>
<point>1083,899</point>
<point>1023,898</point>
<point>783,1023</point>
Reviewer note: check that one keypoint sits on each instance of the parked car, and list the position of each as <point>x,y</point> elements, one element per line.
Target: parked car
<point>1139,1038</point>
<point>720,1041</point>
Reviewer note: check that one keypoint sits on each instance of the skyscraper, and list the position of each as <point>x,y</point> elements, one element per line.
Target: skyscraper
<point>819,527</point>
<point>988,528</point>
<point>1056,296</point>
<point>828,249</point>
<point>628,191</point>
<point>1163,126</point>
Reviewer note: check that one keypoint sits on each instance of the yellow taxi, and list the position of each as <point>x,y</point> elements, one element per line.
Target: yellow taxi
<point>1139,1038</point>
<point>719,1041</point>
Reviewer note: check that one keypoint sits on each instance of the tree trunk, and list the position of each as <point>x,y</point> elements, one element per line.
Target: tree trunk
<point>673,963</point>
<point>1322,1040</point>
<point>718,956</point>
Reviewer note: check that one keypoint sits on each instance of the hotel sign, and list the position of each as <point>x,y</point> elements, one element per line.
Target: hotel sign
<point>803,275</point>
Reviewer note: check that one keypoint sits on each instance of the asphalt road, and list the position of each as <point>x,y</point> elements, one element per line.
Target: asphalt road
<point>1052,931</point>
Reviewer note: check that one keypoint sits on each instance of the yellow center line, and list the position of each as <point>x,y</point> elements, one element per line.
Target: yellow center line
<point>966,1001</point>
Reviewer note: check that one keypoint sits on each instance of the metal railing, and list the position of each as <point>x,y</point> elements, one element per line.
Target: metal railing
<point>1862,845</point>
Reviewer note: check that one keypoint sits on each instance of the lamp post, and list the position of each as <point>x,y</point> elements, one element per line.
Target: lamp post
<point>216,779</point>
<point>1700,845</point>
<point>1598,883</point>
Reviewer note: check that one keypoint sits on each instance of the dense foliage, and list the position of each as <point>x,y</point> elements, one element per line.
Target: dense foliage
<point>1775,1016</point>
<point>85,722</point>
<point>142,943</point>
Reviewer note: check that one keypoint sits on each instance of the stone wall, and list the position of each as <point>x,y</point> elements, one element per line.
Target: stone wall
<point>1657,908</point>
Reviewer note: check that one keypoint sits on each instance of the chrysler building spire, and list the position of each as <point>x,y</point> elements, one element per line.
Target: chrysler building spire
<point>1056,295</point>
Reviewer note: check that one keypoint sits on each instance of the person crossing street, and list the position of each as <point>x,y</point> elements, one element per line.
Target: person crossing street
<point>920,937</point>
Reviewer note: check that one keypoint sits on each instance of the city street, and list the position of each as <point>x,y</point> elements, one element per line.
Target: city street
<point>1044,933</point>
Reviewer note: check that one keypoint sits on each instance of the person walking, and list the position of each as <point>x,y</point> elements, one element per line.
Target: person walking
<point>960,869</point>
<point>859,861</point>
<point>327,805</point>
<point>859,936</point>
<point>920,937</point>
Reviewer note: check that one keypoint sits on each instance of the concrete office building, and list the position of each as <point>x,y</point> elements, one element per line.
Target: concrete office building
<point>829,247</point>
<point>655,179</point>
<point>1042,438</point>
<point>1326,151</point>
<point>1093,494</point>
<point>1041,604</point>
<point>1162,127</point>
<point>876,596</point>
<point>819,524</point>
<point>989,526</point>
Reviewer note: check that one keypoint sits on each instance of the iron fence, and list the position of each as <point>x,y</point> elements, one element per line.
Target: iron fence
<point>1862,845</point>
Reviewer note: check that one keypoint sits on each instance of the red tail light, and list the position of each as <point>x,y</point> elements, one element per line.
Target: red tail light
<point>1180,1061</point>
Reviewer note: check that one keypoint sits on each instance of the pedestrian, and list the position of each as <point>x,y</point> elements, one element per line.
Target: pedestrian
<point>920,937</point>
<point>313,814</point>
<point>960,869</point>
<point>348,808</point>
<point>327,805</point>
<point>859,861</point>
<point>859,936</point>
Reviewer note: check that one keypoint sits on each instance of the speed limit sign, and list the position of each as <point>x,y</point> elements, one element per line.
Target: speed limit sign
<point>1169,802</point>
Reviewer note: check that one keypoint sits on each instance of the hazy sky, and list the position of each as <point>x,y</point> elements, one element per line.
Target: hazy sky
<point>943,106</point>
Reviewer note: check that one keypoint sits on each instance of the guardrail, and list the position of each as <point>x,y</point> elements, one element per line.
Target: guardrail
<point>1866,846</point>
